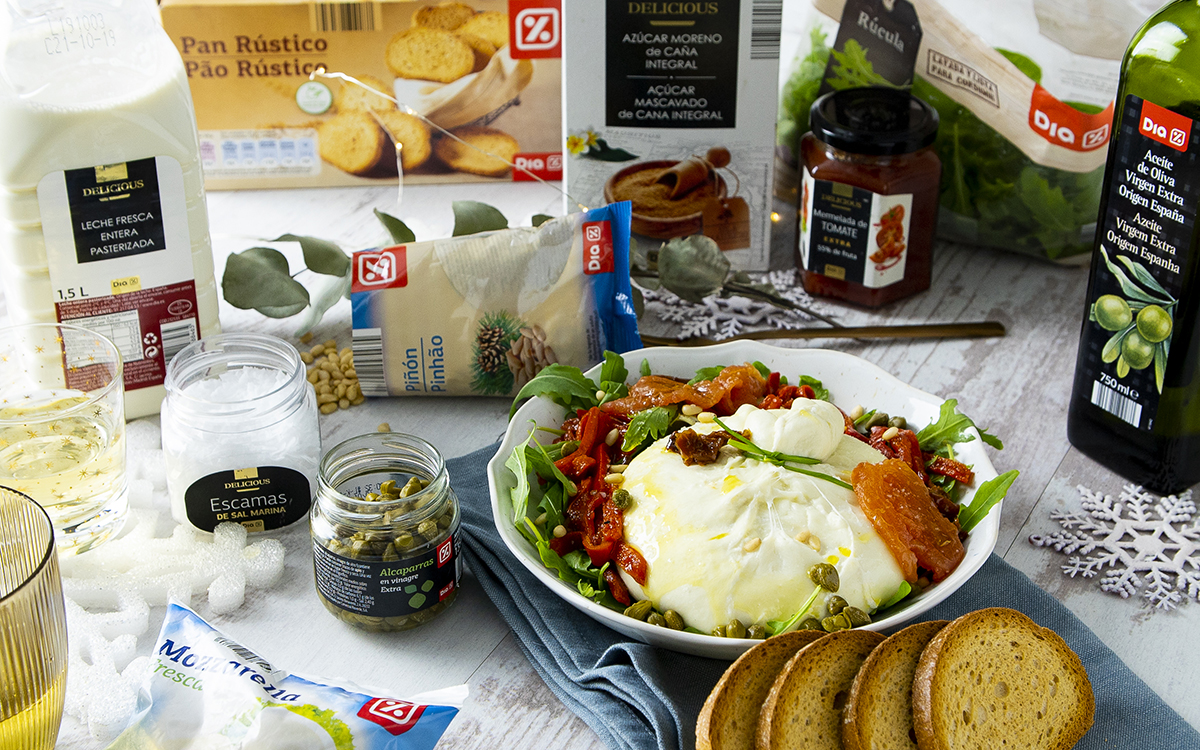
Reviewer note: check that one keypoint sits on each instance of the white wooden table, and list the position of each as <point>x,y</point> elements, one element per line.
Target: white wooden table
<point>1016,386</point>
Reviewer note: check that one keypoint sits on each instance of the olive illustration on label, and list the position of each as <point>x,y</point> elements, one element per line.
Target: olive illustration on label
<point>1140,321</point>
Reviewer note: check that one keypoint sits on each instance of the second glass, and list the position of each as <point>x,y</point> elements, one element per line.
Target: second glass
<point>62,428</point>
<point>33,621</point>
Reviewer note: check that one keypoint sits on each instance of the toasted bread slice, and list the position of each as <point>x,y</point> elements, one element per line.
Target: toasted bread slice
<point>470,158</point>
<point>879,710</point>
<point>411,134</point>
<point>354,98</point>
<point>492,25</point>
<point>429,55</point>
<point>351,141</point>
<point>729,719</point>
<point>995,677</point>
<point>803,711</point>
<point>482,48</point>
<point>444,16</point>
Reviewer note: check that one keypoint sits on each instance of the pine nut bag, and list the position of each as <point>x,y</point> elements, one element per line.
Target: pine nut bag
<point>480,315</point>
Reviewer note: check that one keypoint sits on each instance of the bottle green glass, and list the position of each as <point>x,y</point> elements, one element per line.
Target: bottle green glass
<point>1135,405</point>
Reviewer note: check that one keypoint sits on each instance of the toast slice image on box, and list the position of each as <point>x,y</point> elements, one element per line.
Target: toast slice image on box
<point>729,719</point>
<point>469,156</point>
<point>996,677</point>
<point>429,55</point>
<point>803,710</point>
<point>878,712</point>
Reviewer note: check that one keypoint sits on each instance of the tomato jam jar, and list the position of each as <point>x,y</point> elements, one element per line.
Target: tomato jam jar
<point>868,196</point>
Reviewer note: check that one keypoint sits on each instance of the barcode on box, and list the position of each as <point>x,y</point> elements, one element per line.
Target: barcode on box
<point>1123,408</point>
<point>368,361</point>
<point>766,25</point>
<point>175,336</point>
<point>345,16</point>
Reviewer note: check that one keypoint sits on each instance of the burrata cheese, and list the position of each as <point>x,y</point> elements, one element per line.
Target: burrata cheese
<point>736,538</point>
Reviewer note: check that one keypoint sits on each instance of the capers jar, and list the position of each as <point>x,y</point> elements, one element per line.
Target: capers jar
<point>385,532</point>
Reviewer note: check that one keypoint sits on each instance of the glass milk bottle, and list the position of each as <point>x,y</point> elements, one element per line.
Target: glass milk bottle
<point>103,222</point>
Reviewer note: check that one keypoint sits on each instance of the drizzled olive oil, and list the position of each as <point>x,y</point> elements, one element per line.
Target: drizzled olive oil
<point>1135,405</point>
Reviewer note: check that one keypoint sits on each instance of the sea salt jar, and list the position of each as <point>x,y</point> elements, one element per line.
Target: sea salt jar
<point>240,433</point>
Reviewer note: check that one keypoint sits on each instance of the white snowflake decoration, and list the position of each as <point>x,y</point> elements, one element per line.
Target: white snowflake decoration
<point>1137,540</point>
<point>721,318</point>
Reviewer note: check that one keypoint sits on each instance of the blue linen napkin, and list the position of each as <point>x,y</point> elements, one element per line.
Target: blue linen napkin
<point>638,697</point>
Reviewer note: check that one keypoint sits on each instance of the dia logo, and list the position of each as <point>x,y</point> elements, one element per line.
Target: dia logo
<point>1162,125</point>
<point>535,28</point>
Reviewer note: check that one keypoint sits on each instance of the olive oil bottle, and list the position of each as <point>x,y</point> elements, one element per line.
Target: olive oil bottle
<point>1135,405</point>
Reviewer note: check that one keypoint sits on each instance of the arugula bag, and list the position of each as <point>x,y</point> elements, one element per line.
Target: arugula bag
<point>205,691</point>
<point>1024,92</point>
<point>481,315</point>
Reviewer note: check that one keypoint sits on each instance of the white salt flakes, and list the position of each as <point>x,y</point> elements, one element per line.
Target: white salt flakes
<point>109,590</point>
<point>238,384</point>
<point>143,433</point>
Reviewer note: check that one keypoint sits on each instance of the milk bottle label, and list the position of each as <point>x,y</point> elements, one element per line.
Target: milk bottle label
<point>120,257</point>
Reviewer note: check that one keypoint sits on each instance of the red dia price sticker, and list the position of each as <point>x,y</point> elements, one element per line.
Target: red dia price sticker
<point>535,29</point>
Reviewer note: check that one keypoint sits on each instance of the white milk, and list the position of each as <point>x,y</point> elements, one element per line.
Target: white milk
<point>102,215</point>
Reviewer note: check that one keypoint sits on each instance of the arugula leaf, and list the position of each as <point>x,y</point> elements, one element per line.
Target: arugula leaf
<point>553,505</point>
<point>900,595</point>
<point>986,497</point>
<point>866,415</point>
<point>706,373</point>
<point>819,389</point>
<point>566,386</point>
<point>613,370</point>
<point>518,464</point>
<point>544,466</point>
<point>762,369</point>
<point>951,427</point>
<point>645,368</point>
<point>783,626</point>
<point>579,562</point>
<point>852,69</point>
<point>650,423</point>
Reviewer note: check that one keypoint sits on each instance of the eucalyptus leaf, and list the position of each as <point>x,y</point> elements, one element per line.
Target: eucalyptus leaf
<point>320,255</point>
<point>639,302</point>
<point>259,279</point>
<point>692,267</point>
<point>472,217</point>
<point>540,219</point>
<point>398,230</point>
<point>324,293</point>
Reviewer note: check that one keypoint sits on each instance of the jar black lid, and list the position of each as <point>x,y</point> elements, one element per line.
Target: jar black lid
<point>877,121</point>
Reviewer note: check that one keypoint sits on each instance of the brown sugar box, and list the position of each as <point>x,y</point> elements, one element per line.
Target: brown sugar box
<point>353,98</point>
<point>352,141</point>
<point>803,711</point>
<point>878,711</point>
<point>469,156</point>
<point>729,719</point>
<point>444,16</point>
<point>410,134</point>
<point>491,25</point>
<point>995,678</point>
<point>429,55</point>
